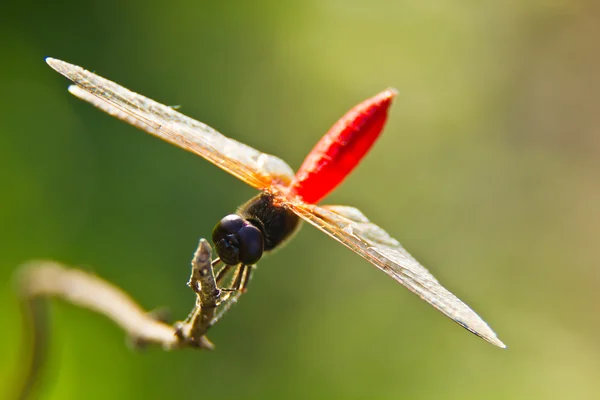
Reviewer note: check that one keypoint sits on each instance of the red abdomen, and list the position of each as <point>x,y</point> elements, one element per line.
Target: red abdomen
<point>342,148</point>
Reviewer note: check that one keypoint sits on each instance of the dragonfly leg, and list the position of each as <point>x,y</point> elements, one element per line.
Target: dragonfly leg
<point>237,280</point>
<point>246,279</point>
<point>222,272</point>
<point>241,279</point>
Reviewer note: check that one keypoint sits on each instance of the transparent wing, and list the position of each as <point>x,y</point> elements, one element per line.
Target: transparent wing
<point>350,227</point>
<point>258,169</point>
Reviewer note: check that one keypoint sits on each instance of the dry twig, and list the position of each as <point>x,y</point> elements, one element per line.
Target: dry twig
<point>37,280</point>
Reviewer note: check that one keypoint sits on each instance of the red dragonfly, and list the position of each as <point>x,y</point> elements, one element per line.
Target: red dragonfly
<point>267,220</point>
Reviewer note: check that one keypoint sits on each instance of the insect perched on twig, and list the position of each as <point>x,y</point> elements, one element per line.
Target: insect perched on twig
<point>272,217</point>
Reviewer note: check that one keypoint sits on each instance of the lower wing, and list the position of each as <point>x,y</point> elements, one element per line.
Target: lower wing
<point>350,227</point>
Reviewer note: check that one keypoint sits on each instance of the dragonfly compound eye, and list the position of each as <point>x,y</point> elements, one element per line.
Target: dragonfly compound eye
<point>237,241</point>
<point>251,244</point>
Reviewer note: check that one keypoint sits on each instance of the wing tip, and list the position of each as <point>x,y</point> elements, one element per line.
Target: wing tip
<point>64,68</point>
<point>483,331</point>
<point>495,341</point>
<point>74,90</point>
<point>54,62</point>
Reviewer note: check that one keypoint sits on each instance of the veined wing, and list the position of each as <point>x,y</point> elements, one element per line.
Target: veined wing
<point>258,169</point>
<point>350,227</point>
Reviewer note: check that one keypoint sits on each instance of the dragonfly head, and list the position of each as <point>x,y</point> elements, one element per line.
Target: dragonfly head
<point>237,241</point>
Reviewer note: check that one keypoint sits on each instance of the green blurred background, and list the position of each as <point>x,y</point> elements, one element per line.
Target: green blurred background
<point>487,173</point>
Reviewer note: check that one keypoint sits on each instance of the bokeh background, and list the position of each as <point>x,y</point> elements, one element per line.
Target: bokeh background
<point>487,172</point>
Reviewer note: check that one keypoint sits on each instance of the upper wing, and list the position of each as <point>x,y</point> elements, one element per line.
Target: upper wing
<point>351,228</point>
<point>258,169</point>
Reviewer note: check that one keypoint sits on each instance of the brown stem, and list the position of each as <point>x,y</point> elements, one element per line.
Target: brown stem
<point>38,280</point>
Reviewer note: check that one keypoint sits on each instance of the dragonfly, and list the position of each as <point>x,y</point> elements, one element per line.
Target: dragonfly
<point>286,198</point>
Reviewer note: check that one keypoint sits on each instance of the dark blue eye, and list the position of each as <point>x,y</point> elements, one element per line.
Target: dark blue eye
<point>237,241</point>
<point>251,244</point>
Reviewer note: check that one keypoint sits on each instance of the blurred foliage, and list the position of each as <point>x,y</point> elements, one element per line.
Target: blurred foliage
<point>487,173</point>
